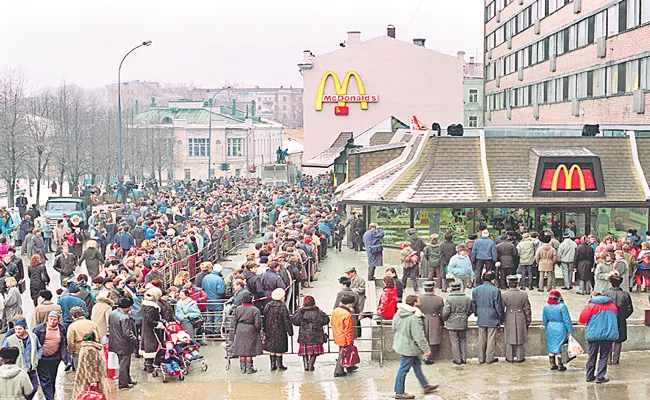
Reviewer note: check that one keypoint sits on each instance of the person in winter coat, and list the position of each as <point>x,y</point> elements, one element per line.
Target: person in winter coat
<point>603,271</point>
<point>484,255</point>
<point>15,383</point>
<point>526,251</point>
<point>38,244</point>
<point>407,257</point>
<point>343,331</point>
<point>123,340</point>
<point>101,312</point>
<point>215,287</point>
<point>410,343</point>
<point>460,267</point>
<point>29,349</point>
<point>277,328</point>
<point>642,275</point>
<point>186,311</point>
<point>13,300</point>
<point>272,280</point>
<point>601,331</point>
<point>507,257</point>
<point>42,311</point>
<point>486,302</point>
<point>310,321</point>
<point>447,251</point>
<point>431,257</point>
<point>92,368</point>
<point>76,331</point>
<point>557,322</point>
<point>65,263</point>
<point>388,300</point>
<point>52,336</point>
<point>516,320</point>
<point>38,278</point>
<point>584,262</point>
<point>623,269</point>
<point>456,311</point>
<point>93,258</point>
<point>374,250</point>
<point>247,324</point>
<point>623,302</point>
<point>152,327</point>
<point>566,255</point>
<point>431,306</point>
<point>418,246</point>
<point>546,258</point>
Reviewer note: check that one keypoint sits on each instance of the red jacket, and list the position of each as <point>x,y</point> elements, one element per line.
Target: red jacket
<point>387,303</point>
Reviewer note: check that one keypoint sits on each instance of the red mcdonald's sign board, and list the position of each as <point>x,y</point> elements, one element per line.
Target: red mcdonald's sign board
<point>568,179</point>
<point>341,110</point>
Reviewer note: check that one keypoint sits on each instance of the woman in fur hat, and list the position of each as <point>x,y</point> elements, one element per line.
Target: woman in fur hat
<point>152,327</point>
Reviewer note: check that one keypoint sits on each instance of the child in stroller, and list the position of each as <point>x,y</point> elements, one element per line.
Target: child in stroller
<point>186,347</point>
<point>167,360</point>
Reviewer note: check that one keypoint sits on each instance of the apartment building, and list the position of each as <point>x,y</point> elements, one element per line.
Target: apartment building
<point>567,63</point>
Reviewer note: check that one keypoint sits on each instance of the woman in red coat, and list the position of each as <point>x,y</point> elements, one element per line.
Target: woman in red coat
<point>388,300</point>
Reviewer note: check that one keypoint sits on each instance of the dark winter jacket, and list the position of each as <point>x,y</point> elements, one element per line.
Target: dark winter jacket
<point>600,318</point>
<point>486,302</point>
<point>271,280</point>
<point>38,280</point>
<point>457,308</point>
<point>254,284</point>
<point>277,325</point>
<point>484,249</point>
<point>62,354</point>
<point>123,338</point>
<point>311,322</point>
<point>416,243</point>
<point>506,254</point>
<point>623,302</point>
<point>584,262</point>
<point>447,251</point>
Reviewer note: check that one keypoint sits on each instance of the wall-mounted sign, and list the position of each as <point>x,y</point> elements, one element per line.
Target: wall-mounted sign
<point>341,110</point>
<point>569,177</point>
<point>563,178</point>
<point>341,96</point>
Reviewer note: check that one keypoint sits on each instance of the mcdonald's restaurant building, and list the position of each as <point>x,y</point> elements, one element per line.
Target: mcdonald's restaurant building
<point>587,185</point>
<point>353,88</point>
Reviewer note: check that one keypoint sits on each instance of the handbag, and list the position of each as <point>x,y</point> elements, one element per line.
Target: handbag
<point>197,322</point>
<point>378,248</point>
<point>349,356</point>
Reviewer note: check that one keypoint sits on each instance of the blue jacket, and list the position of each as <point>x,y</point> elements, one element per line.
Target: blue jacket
<point>486,302</point>
<point>324,228</point>
<point>66,303</point>
<point>190,308</point>
<point>214,286</point>
<point>126,241</point>
<point>557,323</point>
<point>600,317</point>
<point>62,353</point>
<point>484,249</point>
<point>271,280</point>
<point>460,267</point>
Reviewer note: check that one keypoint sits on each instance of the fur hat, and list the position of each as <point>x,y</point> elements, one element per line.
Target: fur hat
<point>278,294</point>
<point>152,294</point>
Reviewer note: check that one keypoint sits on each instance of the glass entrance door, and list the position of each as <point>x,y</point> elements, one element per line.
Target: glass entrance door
<point>549,220</point>
<point>558,221</point>
<point>575,221</point>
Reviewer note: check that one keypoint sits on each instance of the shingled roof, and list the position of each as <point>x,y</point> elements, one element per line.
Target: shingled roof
<point>327,157</point>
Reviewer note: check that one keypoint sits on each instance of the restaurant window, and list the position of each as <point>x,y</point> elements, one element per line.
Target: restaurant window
<point>460,222</point>
<point>510,219</point>
<point>616,221</point>
<point>394,220</point>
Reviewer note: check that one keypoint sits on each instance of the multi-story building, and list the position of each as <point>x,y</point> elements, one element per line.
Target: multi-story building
<point>280,104</point>
<point>239,139</point>
<point>567,63</point>
<point>472,92</point>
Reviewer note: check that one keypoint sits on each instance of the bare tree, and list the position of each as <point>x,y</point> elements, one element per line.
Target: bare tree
<point>12,128</point>
<point>39,117</point>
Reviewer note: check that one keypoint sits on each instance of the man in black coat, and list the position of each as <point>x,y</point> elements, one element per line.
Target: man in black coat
<point>122,340</point>
<point>623,302</point>
<point>447,251</point>
<point>507,258</point>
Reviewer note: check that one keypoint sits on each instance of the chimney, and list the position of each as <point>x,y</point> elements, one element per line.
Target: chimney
<point>390,31</point>
<point>461,55</point>
<point>354,37</point>
<point>471,60</point>
<point>419,42</point>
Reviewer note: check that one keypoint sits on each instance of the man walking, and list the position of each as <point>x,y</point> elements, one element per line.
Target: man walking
<point>517,319</point>
<point>410,343</point>
<point>458,307</point>
<point>431,306</point>
<point>79,327</point>
<point>65,263</point>
<point>486,302</point>
<point>601,330</point>
<point>566,254</point>
<point>484,254</point>
<point>29,352</point>
<point>123,340</point>
<point>623,302</point>
<point>51,335</point>
<point>374,249</point>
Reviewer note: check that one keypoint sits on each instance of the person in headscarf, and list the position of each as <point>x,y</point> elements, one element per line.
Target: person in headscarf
<point>91,368</point>
<point>557,323</point>
<point>152,326</point>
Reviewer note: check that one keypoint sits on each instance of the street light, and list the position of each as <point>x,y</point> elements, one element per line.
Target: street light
<point>119,105</point>
<point>210,129</point>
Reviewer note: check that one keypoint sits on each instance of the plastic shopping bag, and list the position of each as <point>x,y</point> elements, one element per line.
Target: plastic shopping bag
<point>574,348</point>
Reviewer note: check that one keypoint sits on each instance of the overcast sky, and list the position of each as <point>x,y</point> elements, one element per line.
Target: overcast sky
<point>209,42</point>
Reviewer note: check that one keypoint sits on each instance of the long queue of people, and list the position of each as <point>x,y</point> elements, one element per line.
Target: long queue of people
<point>115,297</point>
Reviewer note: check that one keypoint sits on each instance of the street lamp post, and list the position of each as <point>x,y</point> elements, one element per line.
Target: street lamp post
<point>119,106</point>
<point>210,130</point>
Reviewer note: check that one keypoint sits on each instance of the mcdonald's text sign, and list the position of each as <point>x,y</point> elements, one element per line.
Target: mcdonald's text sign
<point>341,95</point>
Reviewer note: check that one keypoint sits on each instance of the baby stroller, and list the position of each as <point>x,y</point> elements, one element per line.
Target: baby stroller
<point>187,351</point>
<point>160,361</point>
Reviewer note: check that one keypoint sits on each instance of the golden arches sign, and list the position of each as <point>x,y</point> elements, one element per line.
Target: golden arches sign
<point>568,177</point>
<point>341,88</point>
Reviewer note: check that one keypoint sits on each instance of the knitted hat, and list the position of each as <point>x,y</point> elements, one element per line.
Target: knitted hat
<point>73,287</point>
<point>278,294</point>
<point>21,322</point>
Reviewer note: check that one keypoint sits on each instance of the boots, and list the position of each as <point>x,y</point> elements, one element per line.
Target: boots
<point>281,367</point>
<point>305,362</point>
<point>551,359</point>
<point>561,366</point>
<point>242,366</point>
<point>273,358</point>
<point>249,368</point>
<point>312,361</point>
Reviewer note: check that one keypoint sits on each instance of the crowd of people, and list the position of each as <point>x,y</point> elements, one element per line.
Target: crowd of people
<point>117,295</point>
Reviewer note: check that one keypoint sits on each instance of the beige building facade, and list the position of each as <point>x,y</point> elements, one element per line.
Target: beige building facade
<point>567,63</point>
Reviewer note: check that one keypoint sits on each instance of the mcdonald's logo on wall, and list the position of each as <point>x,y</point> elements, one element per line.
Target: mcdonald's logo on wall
<point>341,95</point>
<point>575,177</point>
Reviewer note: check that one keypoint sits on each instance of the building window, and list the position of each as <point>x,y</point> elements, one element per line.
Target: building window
<point>645,11</point>
<point>473,95</point>
<point>473,121</point>
<point>235,147</point>
<point>284,98</point>
<point>188,174</point>
<point>632,76</point>
<point>198,147</point>
<point>612,20</point>
<point>600,82</point>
